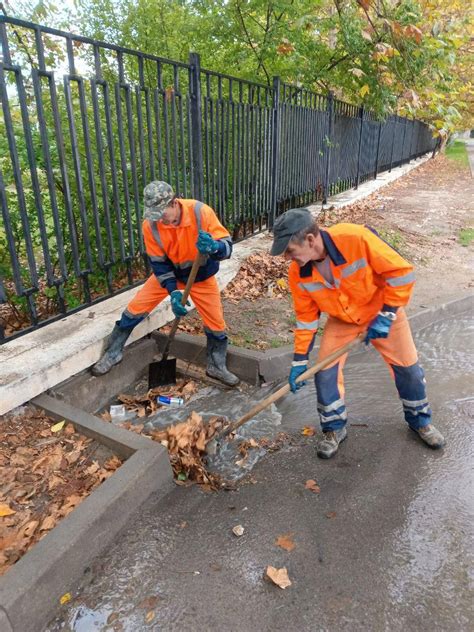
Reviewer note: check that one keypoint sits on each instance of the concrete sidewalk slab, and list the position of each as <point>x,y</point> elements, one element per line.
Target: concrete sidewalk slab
<point>30,591</point>
<point>31,364</point>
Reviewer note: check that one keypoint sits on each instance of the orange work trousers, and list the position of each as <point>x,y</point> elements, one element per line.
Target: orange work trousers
<point>205,295</point>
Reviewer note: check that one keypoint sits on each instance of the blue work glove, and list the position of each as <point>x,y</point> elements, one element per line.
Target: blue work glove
<point>379,327</point>
<point>206,244</point>
<point>178,309</point>
<point>296,371</point>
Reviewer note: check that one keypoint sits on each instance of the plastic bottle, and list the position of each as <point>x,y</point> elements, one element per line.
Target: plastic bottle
<point>170,401</point>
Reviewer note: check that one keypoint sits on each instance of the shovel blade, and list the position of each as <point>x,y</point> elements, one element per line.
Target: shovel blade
<point>162,373</point>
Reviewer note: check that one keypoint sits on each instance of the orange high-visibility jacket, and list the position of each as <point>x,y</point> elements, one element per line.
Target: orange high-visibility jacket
<point>368,274</point>
<point>172,249</point>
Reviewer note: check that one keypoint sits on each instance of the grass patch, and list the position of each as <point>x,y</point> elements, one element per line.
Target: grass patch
<point>394,239</point>
<point>457,151</point>
<point>466,236</point>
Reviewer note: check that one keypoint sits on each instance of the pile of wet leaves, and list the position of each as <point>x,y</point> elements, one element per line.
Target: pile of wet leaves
<point>186,444</point>
<point>46,470</point>
<point>260,275</point>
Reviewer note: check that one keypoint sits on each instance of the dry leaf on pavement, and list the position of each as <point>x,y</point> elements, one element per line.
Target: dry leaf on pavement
<point>57,427</point>
<point>279,576</point>
<point>312,486</point>
<point>150,615</point>
<point>308,431</point>
<point>5,510</point>
<point>331,514</point>
<point>285,542</point>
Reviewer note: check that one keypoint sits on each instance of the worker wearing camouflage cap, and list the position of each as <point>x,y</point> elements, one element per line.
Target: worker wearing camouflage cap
<point>174,231</point>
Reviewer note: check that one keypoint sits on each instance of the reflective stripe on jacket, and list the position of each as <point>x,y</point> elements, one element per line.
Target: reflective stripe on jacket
<point>368,273</point>
<point>172,249</point>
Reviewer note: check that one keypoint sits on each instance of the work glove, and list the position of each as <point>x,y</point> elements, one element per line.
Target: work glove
<point>178,309</point>
<point>206,244</point>
<point>380,326</point>
<point>297,370</point>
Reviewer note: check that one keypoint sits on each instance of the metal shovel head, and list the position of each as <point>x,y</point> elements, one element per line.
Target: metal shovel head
<point>162,373</point>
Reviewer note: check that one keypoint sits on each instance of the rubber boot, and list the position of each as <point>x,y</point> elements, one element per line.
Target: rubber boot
<point>216,362</point>
<point>114,352</point>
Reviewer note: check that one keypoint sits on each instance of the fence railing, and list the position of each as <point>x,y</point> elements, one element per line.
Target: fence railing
<point>84,125</point>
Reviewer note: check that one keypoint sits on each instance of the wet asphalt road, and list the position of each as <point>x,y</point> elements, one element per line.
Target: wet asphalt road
<point>386,545</point>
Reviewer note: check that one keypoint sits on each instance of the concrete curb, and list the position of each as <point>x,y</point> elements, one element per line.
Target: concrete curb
<point>30,590</point>
<point>274,364</point>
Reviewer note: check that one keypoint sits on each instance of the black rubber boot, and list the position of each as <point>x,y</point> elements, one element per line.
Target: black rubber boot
<point>114,352</point>
<point>216,362</point>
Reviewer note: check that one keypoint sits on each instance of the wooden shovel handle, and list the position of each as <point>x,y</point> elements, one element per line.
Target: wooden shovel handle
<point>286,388</point>
<point>189,283</point>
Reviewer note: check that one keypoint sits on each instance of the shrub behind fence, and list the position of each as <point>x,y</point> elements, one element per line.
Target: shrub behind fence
<point>84,125</point>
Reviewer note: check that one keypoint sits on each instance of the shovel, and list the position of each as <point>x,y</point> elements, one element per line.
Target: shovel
<point>214,444</point>
<point>163,372</point>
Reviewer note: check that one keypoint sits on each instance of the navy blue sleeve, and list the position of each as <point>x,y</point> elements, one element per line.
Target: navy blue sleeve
<point>224,251</point>
<point>164,272</point>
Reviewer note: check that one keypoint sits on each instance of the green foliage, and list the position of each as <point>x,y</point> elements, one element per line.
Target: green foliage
<point>457,151</point>
<point>466,236</point>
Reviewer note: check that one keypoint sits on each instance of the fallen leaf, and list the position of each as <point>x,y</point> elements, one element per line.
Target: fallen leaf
<point>150,615</point>
<point>113,463</point>
<point>48,523</point>
<point>149,602</point>
<point>285,542</point>
<point>57,427</point>
<point>279,576</point>
<point>312,486</point>
<point>331,514</point>
<point>238,530</point>
<point>308,431</point>
<point>65,598</point>
<point>5,510</point>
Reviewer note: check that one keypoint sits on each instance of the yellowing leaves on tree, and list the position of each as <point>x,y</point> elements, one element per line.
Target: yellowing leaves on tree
<point>364,90</point>
<point>413,32</point>
<point>357,72</point>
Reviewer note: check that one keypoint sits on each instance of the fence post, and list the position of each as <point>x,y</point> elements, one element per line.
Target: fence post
<point>196,126</point>
<point>378,150</point>
<point>403,141</point>
<point>275,173</point>
<point>361,116</point>
<point>330,112</point>
<point>394,125</point>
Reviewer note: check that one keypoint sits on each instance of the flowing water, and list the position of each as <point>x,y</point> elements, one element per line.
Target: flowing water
<point>395,555</point>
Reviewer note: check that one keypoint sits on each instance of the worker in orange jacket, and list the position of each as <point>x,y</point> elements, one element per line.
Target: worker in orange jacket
<point>362,283</point>
<point>174,231</point>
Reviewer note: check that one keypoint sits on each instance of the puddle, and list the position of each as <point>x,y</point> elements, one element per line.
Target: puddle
<point>212,401</point>
<point>413,571</point>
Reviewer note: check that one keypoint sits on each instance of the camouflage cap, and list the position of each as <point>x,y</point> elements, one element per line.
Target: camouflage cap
<point>157,196</point>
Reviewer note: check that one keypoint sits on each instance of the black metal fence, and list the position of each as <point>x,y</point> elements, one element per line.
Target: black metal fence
<point>84,125</point>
